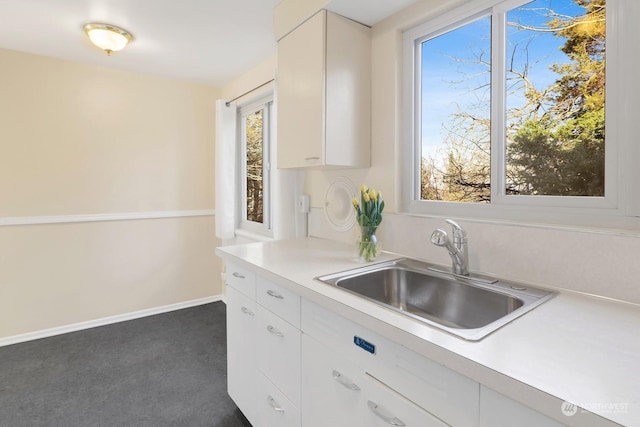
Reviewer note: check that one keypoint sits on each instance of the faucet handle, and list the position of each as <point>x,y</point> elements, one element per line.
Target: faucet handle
<point>439,237</point>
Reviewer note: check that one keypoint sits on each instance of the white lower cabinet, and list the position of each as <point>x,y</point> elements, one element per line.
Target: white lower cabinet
<point>242,371</point>
<point>273,407</point>
<point>293,363</point>
<point>263,350</point>
<point>338,393</point>
<point>497,410</point>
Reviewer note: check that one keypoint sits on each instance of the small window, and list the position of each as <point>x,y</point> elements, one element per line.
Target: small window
<point>255,122</point>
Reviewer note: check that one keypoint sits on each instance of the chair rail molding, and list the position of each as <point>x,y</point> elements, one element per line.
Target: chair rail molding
<point>124,216</point>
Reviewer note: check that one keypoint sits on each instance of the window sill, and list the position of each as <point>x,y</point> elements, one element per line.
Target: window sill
<point>604,224</point>
<point>251,235</point>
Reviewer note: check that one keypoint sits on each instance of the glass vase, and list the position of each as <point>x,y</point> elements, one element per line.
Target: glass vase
<point>367,244</point>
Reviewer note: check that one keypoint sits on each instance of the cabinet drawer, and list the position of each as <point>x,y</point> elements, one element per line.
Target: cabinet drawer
<point>279,353</point>
<point>241,279</point>
<point>430,385</point>
<point>339,394</point>
<point>279,300</point>
<point>274,409</point>
<point>386,407</point>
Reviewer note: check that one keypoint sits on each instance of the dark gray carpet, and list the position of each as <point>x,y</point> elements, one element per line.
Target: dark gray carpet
<point>163,370</point>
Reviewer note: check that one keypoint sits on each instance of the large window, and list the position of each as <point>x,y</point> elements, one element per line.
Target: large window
<point>255,137</point>
<point>506,107</point>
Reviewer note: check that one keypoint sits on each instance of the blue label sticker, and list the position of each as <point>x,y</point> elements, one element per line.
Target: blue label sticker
<point>364,344</point>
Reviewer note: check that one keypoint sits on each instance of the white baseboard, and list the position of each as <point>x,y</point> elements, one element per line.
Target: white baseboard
<point>29,336</point>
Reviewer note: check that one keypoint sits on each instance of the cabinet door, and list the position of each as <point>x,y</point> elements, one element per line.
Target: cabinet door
<point>331,394</point>
<point>279,353</point>
<point>241,363</point>
<point>301,95</point>
<point>348,93</point>
<point>274,409</point>
<point>386,407</point>
<point>497,410</point>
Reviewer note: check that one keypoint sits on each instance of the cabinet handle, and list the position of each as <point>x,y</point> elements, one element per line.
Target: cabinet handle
<point>245,310</point>
<point>275,294</point>
<point>311,158</point>
<point>386,418</point>
<point>274,331</point>
<point>344,381</point>
<point>238,275</point>
<point>275,405</point>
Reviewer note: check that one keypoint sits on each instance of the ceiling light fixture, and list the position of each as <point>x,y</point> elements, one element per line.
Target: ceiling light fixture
<point>108,37</point>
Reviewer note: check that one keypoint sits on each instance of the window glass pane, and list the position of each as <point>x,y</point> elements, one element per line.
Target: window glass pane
<point>455,114</point>
<point>254,167</point>
<point>555,98</point>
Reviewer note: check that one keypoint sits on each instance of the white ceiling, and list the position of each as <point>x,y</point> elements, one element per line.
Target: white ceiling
<point>206,41</point>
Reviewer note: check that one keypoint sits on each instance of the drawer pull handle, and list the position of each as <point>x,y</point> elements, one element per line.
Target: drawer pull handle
<point>238,275</point>
<point>275,294</point>
<point>312,158</point>
<point>386,418</point>
<point>245,310</point>
<point>275,331</point>
<point>274,405</point>
<point>344,381</point>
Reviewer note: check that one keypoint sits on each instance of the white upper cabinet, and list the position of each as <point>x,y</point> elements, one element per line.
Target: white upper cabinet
<point>324,94</point>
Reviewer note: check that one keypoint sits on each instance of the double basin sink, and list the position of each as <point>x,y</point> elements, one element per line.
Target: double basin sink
<point>470,307</point>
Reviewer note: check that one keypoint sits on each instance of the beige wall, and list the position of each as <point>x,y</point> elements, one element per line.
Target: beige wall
<point>288,14</point>
<point>60,274</point>
<point>78,139</point>
<point>256,76</point>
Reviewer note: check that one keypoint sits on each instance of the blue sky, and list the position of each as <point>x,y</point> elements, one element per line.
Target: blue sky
<point>447,59</point>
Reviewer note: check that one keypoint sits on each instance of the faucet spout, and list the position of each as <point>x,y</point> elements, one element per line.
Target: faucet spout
<point>457,247</point>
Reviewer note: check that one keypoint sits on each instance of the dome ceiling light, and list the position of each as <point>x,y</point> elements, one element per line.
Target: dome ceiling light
<point>108,37</point>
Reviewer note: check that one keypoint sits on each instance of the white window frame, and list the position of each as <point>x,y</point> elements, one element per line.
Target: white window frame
<point>619,208</point>
<point>266,104</point>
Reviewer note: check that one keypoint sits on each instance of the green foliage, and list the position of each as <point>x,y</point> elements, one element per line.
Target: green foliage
<point>567,161</point>
<point>561,153</point>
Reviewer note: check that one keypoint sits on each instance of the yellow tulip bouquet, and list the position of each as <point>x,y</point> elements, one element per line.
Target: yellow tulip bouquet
<point>369,215</point>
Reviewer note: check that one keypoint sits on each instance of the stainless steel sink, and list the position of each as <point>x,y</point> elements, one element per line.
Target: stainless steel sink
<point>470,307</point>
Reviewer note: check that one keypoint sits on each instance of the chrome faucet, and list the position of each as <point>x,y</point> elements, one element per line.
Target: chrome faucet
<point>457,248</point>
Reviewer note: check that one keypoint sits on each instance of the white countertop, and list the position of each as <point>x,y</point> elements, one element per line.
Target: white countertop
<point>577,348</point>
